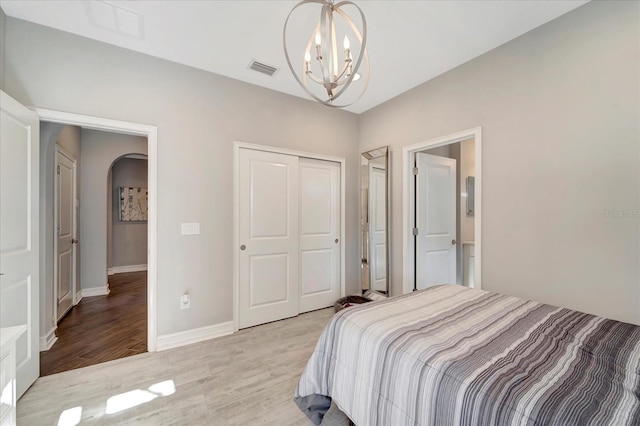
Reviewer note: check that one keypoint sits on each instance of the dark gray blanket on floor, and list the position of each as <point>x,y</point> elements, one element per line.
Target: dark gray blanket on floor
<point>458,356</point>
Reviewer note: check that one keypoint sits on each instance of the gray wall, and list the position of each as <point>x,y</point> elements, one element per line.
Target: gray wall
<point>100,150</point>
<point>198,115</point>
<point>559,108</point>
<point>128,242</point>
<point>68,137</point>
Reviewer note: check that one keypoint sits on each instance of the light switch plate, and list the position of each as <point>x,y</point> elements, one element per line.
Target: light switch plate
<point>190,228</point>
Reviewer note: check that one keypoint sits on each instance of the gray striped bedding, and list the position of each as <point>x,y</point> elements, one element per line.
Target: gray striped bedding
<point>450,355</point>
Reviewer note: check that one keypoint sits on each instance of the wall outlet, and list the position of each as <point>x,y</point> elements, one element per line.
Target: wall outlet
<point>185,301</point>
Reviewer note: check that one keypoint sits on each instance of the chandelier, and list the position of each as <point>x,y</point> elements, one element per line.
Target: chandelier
<point>328,71</point>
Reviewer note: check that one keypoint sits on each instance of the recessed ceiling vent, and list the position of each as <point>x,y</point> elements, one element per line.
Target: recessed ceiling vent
<point>263,68</point>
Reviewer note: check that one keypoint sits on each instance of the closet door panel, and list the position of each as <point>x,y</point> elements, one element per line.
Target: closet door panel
<point>269,242</point>
<point>320,208</point>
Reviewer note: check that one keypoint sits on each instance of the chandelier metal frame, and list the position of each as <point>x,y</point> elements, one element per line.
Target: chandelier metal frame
<point>335,79</point>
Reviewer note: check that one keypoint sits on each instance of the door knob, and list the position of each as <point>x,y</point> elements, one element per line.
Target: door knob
<point>74,241</point>
<point>453,242</point>
<point>243,247</point>
<point>337,241</point>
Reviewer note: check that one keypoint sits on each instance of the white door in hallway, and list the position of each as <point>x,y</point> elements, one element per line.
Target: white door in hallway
<point>378,227</point>
<point>319,233</point>
<point>268,231</point>
<point>66,232</point>
<point>19,233</point>
<point>436,220</point>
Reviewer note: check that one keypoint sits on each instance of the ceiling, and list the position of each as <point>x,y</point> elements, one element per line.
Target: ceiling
<point>409,42</point>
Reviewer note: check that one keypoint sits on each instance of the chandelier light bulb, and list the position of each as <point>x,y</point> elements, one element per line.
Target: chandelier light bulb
<point>307,56</point>
<point>346,43</point>
<point>318,38</point>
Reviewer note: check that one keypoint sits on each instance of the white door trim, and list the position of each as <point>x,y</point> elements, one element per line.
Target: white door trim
<point>237,145</point>
<point>74,278</point>
<point>151,133</point>
<point>408,201</point>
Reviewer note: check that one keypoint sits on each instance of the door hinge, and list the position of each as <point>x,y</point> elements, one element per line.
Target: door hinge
<point>58,168</point>
<point>414,231</point>
<point>415,171</point>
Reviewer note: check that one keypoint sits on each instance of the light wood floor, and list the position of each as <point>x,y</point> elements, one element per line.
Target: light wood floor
<point>102,328</point>
<point>243,379</point>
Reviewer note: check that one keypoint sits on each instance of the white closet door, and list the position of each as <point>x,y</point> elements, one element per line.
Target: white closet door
<point>268,219</point>
<point>319,233</point>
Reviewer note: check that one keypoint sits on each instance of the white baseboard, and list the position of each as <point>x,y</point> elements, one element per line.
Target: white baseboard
<point>128,268</point>
<point>95,291</point>
<point>48,340</point>
<point>78,297</point>
<point>196,335</point>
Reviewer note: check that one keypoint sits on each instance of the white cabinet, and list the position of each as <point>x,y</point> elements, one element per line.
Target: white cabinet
<point>469,263</point>
<point>8,337</point>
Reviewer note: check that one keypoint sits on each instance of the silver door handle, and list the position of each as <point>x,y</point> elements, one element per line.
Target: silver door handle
<point>243,247</point>
<point>73,241</point>
<point>453,242</point>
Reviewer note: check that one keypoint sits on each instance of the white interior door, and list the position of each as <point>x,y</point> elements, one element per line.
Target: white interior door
<point>66,232</point>
<point>436,220</point>
<point>268,230</point>
<point>319,233</point>
<point>19,233</point>
<point>378,227</point>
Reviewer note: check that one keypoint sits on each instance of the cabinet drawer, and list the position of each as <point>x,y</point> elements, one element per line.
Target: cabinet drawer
<point>7,398</point>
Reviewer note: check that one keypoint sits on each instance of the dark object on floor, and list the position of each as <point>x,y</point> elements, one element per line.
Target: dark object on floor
<point>347,301</point>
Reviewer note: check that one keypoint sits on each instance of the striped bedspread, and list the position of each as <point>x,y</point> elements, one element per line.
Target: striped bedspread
<point>451,355</point>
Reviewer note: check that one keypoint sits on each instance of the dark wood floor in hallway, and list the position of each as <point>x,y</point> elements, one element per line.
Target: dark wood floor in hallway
<point>102,328</point>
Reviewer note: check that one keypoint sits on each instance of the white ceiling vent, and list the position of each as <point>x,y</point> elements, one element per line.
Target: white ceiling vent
<point>263,68</point>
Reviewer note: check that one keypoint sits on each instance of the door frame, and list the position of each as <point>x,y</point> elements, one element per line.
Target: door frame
<point>237,145</point>
<point>56,194</point>
<point>408,187</point>
<point>151,133</point>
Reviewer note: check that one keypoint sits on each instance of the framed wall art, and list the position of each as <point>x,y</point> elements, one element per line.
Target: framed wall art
<point>133,204</point>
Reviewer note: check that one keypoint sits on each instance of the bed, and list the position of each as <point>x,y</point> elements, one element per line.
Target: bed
<point>450,355</point>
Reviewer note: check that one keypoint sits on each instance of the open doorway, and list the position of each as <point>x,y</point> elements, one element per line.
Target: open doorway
<point>127,214</point>
<point>442,211</point>
<point>140,278</point>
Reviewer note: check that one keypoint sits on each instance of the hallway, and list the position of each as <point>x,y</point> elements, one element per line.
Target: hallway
<point>102,328</point>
